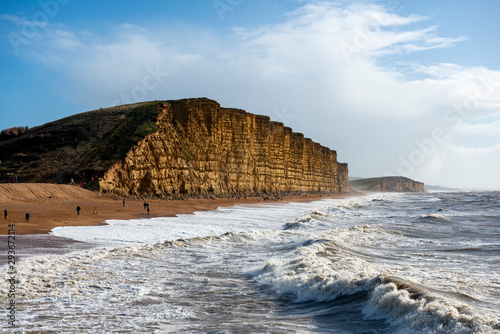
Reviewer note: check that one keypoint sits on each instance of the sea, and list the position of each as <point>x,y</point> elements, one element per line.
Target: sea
<point>376,263</point>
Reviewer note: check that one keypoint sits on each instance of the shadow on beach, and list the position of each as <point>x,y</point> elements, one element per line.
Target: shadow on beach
<point>31,245</point>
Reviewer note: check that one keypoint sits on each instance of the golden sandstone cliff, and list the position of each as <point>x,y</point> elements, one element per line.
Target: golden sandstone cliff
<point>202,149</point>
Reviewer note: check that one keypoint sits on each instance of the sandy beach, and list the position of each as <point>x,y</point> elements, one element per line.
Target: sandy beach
<point>53,205</point>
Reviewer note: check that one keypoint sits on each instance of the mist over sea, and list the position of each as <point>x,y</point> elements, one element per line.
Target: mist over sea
<point>381,263</point>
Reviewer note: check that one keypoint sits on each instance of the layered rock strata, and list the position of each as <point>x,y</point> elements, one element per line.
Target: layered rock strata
<point>399,184</point>
<point>202,149</point>
<point>388,184</point>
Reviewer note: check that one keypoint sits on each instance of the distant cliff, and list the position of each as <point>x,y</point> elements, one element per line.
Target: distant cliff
<point>388,184</point>
<point>184,148</point>
<point>203,149</point>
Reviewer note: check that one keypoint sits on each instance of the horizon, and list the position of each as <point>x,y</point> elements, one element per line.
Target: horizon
<point>396,87</point>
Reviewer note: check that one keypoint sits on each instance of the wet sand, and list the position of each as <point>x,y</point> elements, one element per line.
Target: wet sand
<point>29,245</point>
<point>52,206</point>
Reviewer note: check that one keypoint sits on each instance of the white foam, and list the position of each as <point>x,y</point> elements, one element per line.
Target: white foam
<point>239,218</point>
<point>428,314</point>
<point>435,215</point>
<point>310,274</point>
<point>327,270</point>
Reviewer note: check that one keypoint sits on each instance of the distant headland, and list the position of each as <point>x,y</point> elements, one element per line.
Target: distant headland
<point>387,184</point>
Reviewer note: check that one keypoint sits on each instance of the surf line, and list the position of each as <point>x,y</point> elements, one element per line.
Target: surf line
<point>11,273</point>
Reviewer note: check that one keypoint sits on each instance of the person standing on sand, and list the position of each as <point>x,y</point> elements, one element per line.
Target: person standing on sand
<point>124,202</point>
<point>148,208</point>
<point>27,219</point>
<point>78,210</point>
<point>5,214</point>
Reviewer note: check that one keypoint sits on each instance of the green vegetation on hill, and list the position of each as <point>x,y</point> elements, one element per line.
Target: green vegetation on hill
<point>365,184</point>
<point>115,144</point>
<point>82,146</point>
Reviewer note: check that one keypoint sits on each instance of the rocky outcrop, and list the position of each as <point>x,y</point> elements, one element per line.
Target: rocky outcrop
<point>202,149</point>
<point>388,184</point>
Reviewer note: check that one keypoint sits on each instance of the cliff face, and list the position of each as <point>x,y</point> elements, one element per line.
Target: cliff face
<point>388,184</point>
<point>202,149</point>
<point>399,184</point>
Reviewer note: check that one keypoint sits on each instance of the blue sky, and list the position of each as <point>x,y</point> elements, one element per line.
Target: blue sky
<point>396,87</point>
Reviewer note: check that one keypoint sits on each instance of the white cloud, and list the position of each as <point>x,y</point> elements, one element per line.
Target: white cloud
<point>320,65</point>
<point>21,21</point>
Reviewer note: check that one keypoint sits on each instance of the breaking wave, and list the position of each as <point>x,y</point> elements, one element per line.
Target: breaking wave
<point>325,270</point>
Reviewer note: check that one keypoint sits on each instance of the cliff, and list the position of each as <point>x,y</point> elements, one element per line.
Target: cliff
<point>388,184</point>
<point>184,148</point>
<point>202,149</point>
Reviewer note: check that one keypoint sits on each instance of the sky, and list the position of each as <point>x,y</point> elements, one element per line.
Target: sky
<point>404,87</point>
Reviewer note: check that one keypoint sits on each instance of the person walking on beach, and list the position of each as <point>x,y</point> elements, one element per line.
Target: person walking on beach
<point>124,202</point>
<point>27,219</point>
<point>5,214</point>
<point>148,208</point>
<point>78,210</point>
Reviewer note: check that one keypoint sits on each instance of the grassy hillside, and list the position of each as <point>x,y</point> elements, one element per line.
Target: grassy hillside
<point>365,184</point>
<point>82,146</point>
